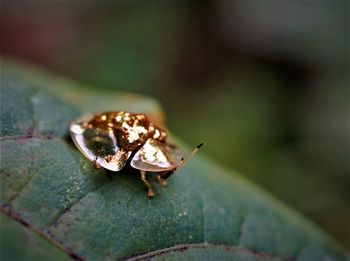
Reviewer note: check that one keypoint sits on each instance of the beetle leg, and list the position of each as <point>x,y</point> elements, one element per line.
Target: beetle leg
<point>96,165</point>
<point>162,181</point>
<point>150,193</point>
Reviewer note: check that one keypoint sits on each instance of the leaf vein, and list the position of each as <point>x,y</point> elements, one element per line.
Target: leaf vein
<point>7,210</point>
<point>181,248</point>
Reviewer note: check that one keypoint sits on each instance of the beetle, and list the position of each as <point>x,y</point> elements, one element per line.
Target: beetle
<point>111,139</point>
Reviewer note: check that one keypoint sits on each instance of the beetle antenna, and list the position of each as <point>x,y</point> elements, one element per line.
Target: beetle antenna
<point>183,162</point>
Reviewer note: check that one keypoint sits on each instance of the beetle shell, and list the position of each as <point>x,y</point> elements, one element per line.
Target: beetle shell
<point>110,139</point>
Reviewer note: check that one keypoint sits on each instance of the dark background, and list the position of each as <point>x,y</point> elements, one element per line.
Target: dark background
<point>264,84</point>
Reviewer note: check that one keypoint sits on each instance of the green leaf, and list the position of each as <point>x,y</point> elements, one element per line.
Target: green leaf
<point>205,252</point>
<point>49,189</point>
<point>20,243</point>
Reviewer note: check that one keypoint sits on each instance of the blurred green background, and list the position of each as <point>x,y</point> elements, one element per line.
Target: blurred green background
<point>264,84</point>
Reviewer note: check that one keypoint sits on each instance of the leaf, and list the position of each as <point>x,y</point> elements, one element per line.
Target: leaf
<point>205,252</point>
<point>49,189</point>
<point>29,245</point>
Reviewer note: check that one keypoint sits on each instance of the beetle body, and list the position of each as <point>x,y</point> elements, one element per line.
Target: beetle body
<point>110,139</point>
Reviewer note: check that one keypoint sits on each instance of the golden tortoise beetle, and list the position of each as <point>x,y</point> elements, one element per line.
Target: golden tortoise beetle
<point>109,139</point>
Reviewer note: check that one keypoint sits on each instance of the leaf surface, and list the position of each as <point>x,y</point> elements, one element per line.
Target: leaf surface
<point>92,214</point>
